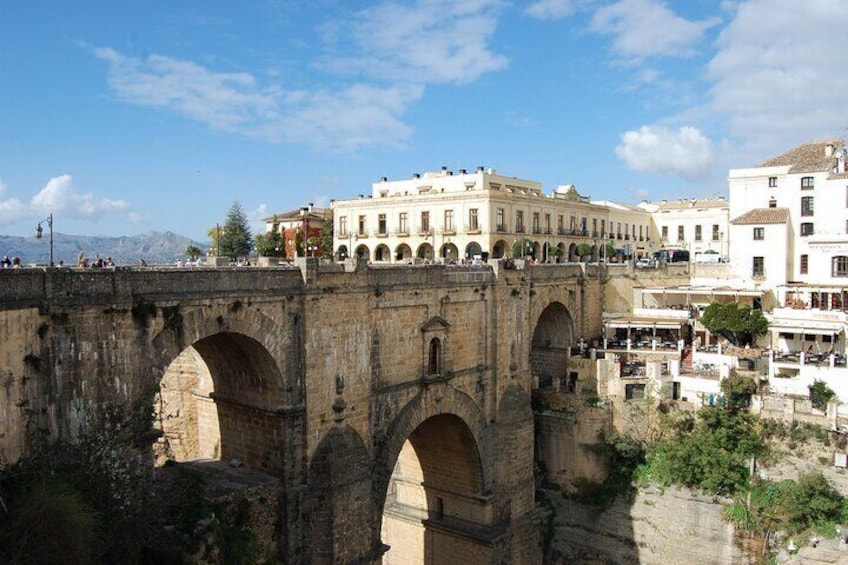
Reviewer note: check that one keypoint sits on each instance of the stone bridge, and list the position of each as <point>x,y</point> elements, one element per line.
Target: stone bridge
<point>391,403</point>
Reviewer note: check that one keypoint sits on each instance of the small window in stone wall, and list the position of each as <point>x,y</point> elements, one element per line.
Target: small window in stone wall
<point>434,357</point>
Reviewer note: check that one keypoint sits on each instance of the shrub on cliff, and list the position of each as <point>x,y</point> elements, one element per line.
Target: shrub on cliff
<point>712,456</point>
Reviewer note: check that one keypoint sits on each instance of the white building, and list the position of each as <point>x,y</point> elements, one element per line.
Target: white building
<point>697,225</point>
<point>473,216</point>
<point>790,232</point>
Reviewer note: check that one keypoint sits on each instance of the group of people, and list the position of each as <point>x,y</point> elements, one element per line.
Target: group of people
<point>7,263</point>
<point>97,263</point>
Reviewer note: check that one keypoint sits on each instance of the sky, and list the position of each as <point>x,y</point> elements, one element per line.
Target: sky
<point>122,118</point>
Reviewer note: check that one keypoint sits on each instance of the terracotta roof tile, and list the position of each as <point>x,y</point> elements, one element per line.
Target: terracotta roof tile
<point>763,216</point>
<point>810,157</point>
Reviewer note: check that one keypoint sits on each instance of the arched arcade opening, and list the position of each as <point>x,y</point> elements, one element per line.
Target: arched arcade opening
<point>553,337</point>
<point>434,507</point>
<point>217,401</point>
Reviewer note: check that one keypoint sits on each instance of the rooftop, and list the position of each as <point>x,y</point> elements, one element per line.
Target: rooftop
<point>763,216</point>
<point>810,157</point>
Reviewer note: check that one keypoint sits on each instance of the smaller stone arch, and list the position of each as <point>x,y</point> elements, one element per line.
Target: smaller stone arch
<point>403,253</point>
<point>553,336</point>
<point>499,250</point>
<point>572,253</point>
<point>562,255</point>
<point>338,525</point>
<point>473,249</point>
<point>342,253</point>
<point>425,252</point>
<point>382,253</point>
<point>449,252</point>
<point>362,252</point>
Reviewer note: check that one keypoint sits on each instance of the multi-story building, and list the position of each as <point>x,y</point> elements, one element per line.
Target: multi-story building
<point>790,234</point>
<point>300,230</point>
<point>473,215</point>
<point>698,225</point>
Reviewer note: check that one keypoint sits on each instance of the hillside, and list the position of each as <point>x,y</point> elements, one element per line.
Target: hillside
<point>154,247</point>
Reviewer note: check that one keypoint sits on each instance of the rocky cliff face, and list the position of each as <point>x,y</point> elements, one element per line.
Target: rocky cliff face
<point>656,527</point>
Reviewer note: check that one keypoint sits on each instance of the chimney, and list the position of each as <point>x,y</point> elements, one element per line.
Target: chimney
<point>416,175</point>
<point>444,170</point>
<point>462,171</point>
<point>480,168</point>
<point>828,150</point>
<point>384,179</point>
<point>361,196</point>
<point>310,206</point>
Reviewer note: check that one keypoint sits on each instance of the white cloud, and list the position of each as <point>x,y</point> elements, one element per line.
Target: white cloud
<point>428,42</point>
<point>352,117</point>
<point>648,28</point>
<point>684,152</point>
<point>777,75</point>
<point>60,196</point>
<point>550,9</point>
<point>225,101</point>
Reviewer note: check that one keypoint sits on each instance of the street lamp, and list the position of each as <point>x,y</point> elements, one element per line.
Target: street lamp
<point>39,231</point>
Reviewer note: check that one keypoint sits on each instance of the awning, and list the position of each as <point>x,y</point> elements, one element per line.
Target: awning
<point>805,327</point>
<point>634,322</point>
<point>703,290</point>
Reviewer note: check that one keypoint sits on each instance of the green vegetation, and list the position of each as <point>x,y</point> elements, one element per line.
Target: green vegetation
<point>193,252</point>
<point>522,247</point>
<point>235,238</point>
<point>740,324</point>
<point>710,452</point>
<point>737,390</point>
<point>803,507</point>
<point>270,244</point>
<point>99,501</point>
<point>584,250</point>
<point>625,455</point>
<point>327,238</point>
<point>821,394</point>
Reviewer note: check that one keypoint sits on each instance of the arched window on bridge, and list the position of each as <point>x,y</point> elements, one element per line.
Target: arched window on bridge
<point>434,358</point>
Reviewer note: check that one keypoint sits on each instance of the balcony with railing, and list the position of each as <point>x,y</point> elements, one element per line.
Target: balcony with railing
<point>500,228</point>
<point>448,230</point>
<point>473,229</point>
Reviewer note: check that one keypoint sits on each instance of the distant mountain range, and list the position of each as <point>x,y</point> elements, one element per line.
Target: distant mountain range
<point>154,247</point>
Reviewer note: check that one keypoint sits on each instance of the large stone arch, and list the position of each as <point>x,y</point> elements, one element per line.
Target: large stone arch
<point>222,382</point>
<point>442,430</point>
<point>337,524</point>
<point>553,336</point>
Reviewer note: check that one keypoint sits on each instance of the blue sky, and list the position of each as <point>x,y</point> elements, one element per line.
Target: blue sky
<point>157,116</point>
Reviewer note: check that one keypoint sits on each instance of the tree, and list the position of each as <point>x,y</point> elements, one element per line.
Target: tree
<point>214,233</point>
<point>522,247</point>
<point>739,324</point>
<point>327,237</point>
<point>821,394</point>
<point>193,251</point>
<point>270,243</point>
<point>584,250</point>
<point>235,234</point>
<point>737,390</point>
